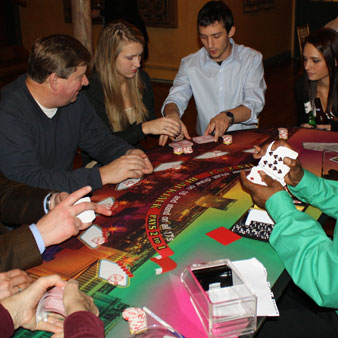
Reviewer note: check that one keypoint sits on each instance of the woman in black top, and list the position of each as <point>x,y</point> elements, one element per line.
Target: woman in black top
<point>120,91</point>
<point>320,80</point>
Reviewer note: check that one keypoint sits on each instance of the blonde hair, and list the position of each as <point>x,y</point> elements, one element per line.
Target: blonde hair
<point>110,43</point>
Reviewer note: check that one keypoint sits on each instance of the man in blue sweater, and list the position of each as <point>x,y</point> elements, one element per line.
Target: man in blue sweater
<point>44,119</point>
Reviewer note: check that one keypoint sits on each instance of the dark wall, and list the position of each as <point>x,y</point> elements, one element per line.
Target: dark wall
<point>315,13</point>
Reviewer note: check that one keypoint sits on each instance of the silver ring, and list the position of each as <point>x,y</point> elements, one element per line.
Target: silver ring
<point>19,289</point>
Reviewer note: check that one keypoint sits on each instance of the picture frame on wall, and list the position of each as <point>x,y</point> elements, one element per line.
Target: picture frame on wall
<point>255,5</point>
<point>155,13</point>
<point>159,13</point>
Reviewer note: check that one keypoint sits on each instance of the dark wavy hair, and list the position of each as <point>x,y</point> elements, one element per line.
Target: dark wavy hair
<point>326,41</point>
<point>59,54</point>
<point>214,11</point>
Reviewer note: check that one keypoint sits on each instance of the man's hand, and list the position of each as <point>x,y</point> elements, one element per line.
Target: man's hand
<point>56,198</point>
<point>132,165</point>
<point>12,282</point>
<point>22,306</point>
<point>74,300</point>
<point>260,193</point>
<point>296,172</point>
<point>61,223</point>
<point>218,124</point>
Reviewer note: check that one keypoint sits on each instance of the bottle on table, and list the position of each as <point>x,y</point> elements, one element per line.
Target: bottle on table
<point>311,116</point>
<point>321,117</point>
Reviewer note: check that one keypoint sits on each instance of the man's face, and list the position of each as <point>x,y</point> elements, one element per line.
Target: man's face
<point>216,40</point>
<point>68,89</point>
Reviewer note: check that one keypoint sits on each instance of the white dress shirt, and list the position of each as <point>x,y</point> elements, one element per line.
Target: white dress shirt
<point>239,80</point>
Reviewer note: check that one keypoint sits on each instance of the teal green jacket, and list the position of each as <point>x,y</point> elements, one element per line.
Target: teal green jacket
<point>309,256</point>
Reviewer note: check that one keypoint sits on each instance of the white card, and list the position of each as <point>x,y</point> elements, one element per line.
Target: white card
<point>93,237</point>
<point>112,273</point>
<point>169,165</point>
<point>128,183</point>
<point>86,216</point>
<point>272,162</point>
<point>211,154</point>
<point>255,177</point>
<point>109,201</point>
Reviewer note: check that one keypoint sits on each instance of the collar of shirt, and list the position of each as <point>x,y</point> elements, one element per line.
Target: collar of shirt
<point>233,56</point>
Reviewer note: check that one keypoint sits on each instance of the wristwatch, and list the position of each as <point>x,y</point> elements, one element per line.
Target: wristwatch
<point>231,117</point>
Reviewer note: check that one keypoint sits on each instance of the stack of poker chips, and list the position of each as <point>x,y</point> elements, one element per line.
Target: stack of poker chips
<point>136,318</point>
<point>227,139</point>
<point>181,147</point>
<point>283,133</point>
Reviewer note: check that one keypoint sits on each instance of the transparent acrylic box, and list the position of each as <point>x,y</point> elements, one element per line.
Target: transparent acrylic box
<point>225,304</point>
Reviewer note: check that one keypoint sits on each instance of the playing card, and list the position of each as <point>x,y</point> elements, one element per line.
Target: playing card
<point>211,154</point>
<point>184,143</point>
<point>50,302</point>
<point>203,139</point>
<point>272,162</point>
<point>255,177</point>
<point>169,165</point>
<point>128,183</point>
<point>92,237</point>
<point>250,151</point>
<point>88,215</point>
<point>112,273</point>
<point>334,159</point>
<point>109,201</point>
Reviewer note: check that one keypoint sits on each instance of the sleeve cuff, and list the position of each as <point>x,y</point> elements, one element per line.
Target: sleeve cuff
<point>278,203</point>
<point>38,238</point>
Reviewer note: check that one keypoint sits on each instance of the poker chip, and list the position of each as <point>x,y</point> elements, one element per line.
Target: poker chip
<point>136,318</point>
<point>187,150</point>
<point>283,133</point>
<point>227,139</point>
<point>178,150</point>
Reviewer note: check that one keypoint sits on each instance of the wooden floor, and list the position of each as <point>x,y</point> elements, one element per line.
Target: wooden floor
<point>280,106</point>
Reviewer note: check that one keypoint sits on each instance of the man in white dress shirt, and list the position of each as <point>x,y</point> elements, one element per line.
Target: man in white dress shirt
<point>226,79</point>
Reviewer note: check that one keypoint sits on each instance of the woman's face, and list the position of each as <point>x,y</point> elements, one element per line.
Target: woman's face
<point>129,60</point>
<point>314,63</point>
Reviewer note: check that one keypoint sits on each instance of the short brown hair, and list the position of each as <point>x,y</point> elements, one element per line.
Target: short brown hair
<point>59,54</point>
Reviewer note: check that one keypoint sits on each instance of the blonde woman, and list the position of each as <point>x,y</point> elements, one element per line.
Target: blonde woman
<point>120,91</point>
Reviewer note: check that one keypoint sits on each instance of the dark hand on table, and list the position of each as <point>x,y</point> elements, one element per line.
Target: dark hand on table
<point>260,193</point>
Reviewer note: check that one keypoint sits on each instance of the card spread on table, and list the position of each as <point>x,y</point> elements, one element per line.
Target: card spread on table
<point>204,139</point>
<point>92,237</point>
<point>112,273</point>
<point>211,154</point>
<point>223,235</point>
<point>169,165</point>
<point>128,183</point>
<point>272,164</point>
